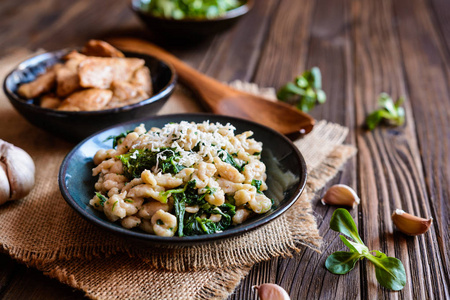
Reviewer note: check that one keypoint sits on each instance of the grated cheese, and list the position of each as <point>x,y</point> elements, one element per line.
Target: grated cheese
<point>212,139</point>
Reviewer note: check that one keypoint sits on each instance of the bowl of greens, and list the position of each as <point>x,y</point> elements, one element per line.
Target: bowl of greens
<point>187,19</point>
<point>285,181</point>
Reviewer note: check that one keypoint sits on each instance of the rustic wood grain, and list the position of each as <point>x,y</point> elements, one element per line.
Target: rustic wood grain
<point>433,132</point>
<point>363,48</point>
<point>326,45</point>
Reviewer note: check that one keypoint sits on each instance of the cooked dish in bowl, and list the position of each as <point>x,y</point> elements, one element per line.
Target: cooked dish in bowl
<point>285,170</point>
<point>77,125</point>
<point>182,179</point>
<point>96,78</point>
<point>180,9</point>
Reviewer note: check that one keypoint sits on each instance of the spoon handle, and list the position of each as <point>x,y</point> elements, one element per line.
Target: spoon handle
<point>197,82</point>
<point>221,99</point>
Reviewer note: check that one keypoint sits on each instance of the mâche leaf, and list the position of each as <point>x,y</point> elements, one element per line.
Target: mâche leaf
<point>389,271</point>
<point>305,91</point>
<point>356,247</point>
<point>341,262</point>
<point>389,111</point>
<point>342,222</point>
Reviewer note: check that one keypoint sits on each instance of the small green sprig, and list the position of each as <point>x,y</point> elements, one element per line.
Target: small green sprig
<point>389,271</point>
<point>305,91</point>
<point>389,111</point>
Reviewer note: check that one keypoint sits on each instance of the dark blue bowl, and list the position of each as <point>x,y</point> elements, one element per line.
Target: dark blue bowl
<point>77,183</point>
<point>75,126</point>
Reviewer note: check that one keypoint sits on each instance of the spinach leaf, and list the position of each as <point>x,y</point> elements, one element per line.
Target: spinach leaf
<point>230,160</point>
<point>257,184</point>
<point>180,209</point>
<point>117,140</point>
<point>195,225</point>
<point>136,161</point>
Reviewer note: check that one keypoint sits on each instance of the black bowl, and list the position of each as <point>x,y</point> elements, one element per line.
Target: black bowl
<point>77,183</point>
<point>188,28</point>
<point>75,126</point>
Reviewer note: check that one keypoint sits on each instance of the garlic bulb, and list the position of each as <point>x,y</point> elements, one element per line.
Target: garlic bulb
<point>16,172</point>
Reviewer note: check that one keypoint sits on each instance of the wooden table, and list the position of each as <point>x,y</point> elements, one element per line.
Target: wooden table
<point>363,48</point>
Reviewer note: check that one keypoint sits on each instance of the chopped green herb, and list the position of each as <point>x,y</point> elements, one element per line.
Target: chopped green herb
<point>305,91</point>
<point>159,222</point>
<point>102,198</point>
<point>128,200</point>
<point>389,111</point>
<point>114,205</point>
<point>389,271</point>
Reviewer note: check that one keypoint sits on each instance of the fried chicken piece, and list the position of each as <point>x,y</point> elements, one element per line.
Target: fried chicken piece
<point>142,79</point>
<point>86,100</point>
<point>73,60</point>
<point>42,84</point>
<point>100,48</point>
<point>67,81</point>
<point>50,101</point>
<point>100,72</point>
<point>125,93</point>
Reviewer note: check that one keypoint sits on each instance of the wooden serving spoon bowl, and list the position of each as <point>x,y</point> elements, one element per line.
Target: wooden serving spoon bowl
<point>221,99</point>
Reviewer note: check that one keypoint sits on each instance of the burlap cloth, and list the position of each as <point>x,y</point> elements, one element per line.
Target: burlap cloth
<point>44,232</point>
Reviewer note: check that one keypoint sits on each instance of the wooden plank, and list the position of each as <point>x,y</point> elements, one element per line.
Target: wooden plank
<point>441,17</point>
<point>28,283</point>
<point>6,271</point>
<point>430,97</point>
<point>52,24</point>
<point>390,170</point>
<point>285,50</point>
<point>320,37</point>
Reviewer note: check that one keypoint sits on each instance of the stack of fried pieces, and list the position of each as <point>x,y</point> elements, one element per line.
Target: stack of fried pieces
<point>100,77</point>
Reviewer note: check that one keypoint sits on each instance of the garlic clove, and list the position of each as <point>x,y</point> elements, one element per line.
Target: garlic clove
<point>19,169</point>
<point>4,184</point>
<point>341,194</point>
<point>409,224</point>
<point>270,291</point>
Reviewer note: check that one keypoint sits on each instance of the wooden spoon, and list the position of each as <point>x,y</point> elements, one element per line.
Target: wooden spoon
<point>221,99</point>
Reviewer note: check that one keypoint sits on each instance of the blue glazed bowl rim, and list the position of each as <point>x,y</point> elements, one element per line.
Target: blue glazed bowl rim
<point>35,60</point>
<point>187,240</point>
<point>231,14</point>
